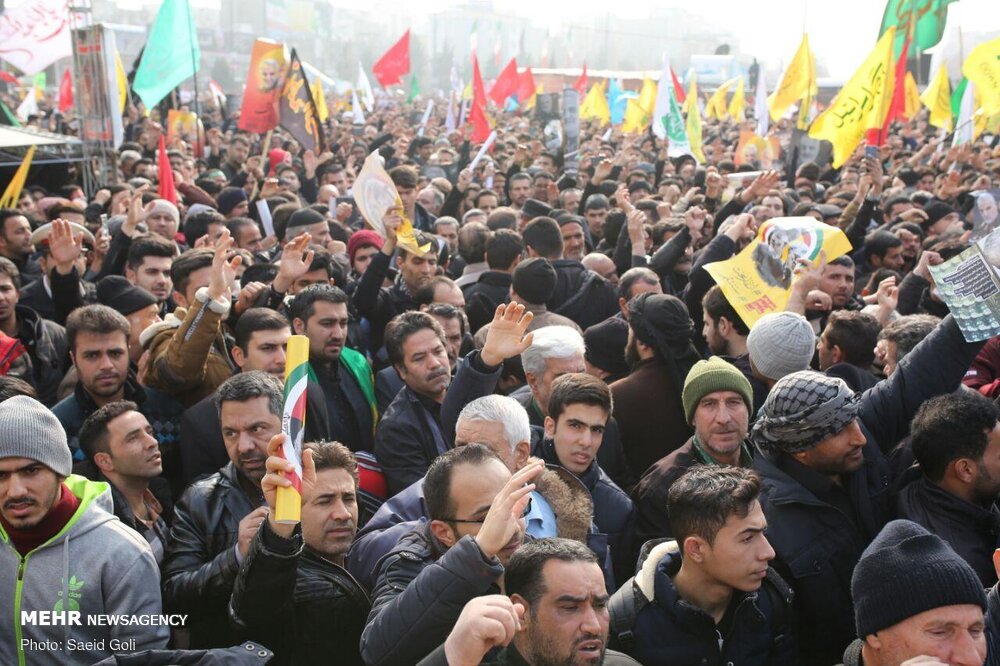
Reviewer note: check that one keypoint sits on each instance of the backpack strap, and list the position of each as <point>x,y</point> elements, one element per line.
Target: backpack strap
<point>623,607</point>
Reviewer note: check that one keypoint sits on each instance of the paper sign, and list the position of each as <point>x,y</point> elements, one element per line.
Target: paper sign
<point>969,284</point>
<point>375,194</point>
<point>482,151</point>
<point>265,218</point>
<point>758,280</point>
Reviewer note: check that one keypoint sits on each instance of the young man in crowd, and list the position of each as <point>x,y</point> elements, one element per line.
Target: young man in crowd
<point>297,570</point>
<point>708,596</point>
<point>118,441</point>
<point>63,550</point>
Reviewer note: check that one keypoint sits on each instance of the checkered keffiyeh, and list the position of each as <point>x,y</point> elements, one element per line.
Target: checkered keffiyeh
<point>802,410</point>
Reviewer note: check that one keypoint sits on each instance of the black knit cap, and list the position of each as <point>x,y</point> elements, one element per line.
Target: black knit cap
<point>534,208</point>
<point>605,344</point>
<point>906,571</point>
<point>534,280</point>
<point>119,294</point>
<point>303,217</point>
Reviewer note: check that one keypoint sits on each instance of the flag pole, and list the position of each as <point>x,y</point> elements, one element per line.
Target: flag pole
<point>194,60</point>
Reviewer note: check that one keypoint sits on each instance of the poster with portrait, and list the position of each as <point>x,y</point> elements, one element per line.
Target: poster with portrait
<point>970,285</point>
<point>265,78</point>
<point>758,280</point>
<point>375,194</point>
<point>985,213</point>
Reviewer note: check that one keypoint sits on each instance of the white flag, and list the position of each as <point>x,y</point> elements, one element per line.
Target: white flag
<point>760,105</point>
<point>359,115</point>
<point>449,121</point>
<point>964,126</point>
<point>29,105</point>
<point>661,109</point>
<point>35,35</point>
<point>367,96</point>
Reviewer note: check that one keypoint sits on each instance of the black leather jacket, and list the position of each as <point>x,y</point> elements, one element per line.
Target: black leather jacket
<point>200,566</point>
<point>323,608</point>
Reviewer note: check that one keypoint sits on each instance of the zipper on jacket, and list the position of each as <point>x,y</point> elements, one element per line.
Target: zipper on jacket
<point>18,589</point>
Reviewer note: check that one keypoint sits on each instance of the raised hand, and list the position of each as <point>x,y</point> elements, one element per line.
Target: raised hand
<point>64,247</point>
<point>506,336</point>
<point>223,269</point>
<point>504,517</point>
<point>136,212</point>
<point>485,623</point>
<point>393,218</point>
<point>296,257</point>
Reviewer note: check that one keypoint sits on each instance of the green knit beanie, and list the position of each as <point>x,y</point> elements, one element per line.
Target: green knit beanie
<point>711,376</point>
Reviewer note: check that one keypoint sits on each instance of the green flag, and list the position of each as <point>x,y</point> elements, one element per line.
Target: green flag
<point>7,116</point>
<point>414,88</point>
<point>674,124</point>
<point>956,97</point>
<point>930,18</point>
<point>171,54</point>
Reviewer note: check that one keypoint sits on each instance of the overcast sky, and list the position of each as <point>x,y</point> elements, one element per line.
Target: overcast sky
<point>841,32</point>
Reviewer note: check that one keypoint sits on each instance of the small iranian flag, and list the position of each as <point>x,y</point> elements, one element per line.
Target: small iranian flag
<point>298,374</point>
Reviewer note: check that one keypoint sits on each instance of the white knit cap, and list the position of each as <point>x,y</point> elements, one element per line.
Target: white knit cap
<point>781,343</point>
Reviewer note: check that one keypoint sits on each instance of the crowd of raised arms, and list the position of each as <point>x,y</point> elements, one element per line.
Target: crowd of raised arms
<point>548,439</point>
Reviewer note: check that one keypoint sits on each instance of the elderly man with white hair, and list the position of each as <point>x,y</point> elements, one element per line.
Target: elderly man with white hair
<point>500,423</point>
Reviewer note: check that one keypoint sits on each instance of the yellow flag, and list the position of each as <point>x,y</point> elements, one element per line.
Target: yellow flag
<point>595,105</point>
<point>693,127</point>
<point>796,82</point>
<point>716,105</point>
<point>691,100</point>
<point>319,98</point>
<point>861,104</point>
<point>122,82</point>
<point>634,117</point>
<point>14,187</point>
<point>738,103</point>
<point>912,96</point>
<point>639,112</point>
<point>937,98</point>
<point>982,68</point>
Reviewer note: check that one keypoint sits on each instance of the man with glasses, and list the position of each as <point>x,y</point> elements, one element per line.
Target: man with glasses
<point>476,508</point>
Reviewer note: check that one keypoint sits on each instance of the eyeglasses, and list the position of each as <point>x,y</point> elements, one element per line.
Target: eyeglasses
<point>480,521</point>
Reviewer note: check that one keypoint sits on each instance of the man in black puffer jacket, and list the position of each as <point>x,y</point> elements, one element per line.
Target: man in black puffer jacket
<point>323,607</point>
<point>827,479</point>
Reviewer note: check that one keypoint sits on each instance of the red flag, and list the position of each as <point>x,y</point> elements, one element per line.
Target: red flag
<point>480,123</point>
<point>506,84</point>
<point>581,83</point>
<point>678,88</point>
<point>166,189</point>
<point>525,86</point>
<point>7,77</point>
<point>66,91</point>
<point>259,109</point>
<point>395,63</point>
<point>478,89</point>
<point>897,107</point>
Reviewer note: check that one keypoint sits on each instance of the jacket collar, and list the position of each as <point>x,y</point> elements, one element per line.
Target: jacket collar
<point>589,478</point>
<point>957,507</point>
<point>133,391</point>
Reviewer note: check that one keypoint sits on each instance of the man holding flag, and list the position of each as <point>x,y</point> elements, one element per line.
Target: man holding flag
<point>293,593</point>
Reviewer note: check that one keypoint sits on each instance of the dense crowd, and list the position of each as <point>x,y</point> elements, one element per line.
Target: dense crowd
<point>547,439</point>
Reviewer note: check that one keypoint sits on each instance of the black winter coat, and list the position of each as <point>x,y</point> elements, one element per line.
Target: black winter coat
<point>322,608</point>
<point>420,593</point>
<point>380,304</point>
<point>409,437</point>
<point>817,544</point>
<point>581,294</point>
<point>669,631</point>
<point>200,566</point>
